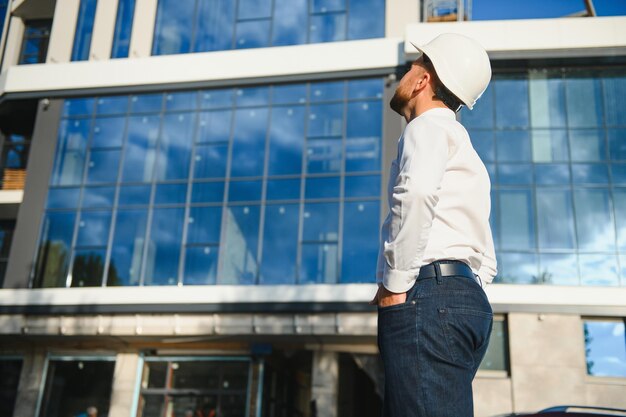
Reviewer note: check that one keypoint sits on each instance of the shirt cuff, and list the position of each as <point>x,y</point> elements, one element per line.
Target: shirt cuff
<point>398,281</point>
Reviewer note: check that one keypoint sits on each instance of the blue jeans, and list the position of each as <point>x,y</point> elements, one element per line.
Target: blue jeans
<point>431,347</point>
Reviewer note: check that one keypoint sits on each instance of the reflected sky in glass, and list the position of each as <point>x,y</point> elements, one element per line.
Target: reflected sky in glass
<point>280,244</point>
<point>605,348</point>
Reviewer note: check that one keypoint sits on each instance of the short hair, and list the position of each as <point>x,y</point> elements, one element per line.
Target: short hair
<point>441,91</point>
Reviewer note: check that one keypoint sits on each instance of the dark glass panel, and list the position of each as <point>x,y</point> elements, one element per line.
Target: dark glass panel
<point>170,194</point>
<point>123,28</point>
<point>288,189</point>
<point>205,224</point>
<point>618,173</point>
<point>93,228</point>
<point>239,264</point>
<point>286,140</point>
<point>360,241</point>
<point>175,146</point>
<point>207,192</point>
<point>366,19</point>
<point>54,249</point>
<point>319,263</point>
<point>88,268</point>
<point>84,29</point>
<point>362,186</point>
<point>252,34</point>
<point>103,166</point>
<point>325,187</point>
<point>327,27</point>
<point>249,142</point>
<point>290,20</point>
<point>555,219</point>
<point>210,161</point>
<point>280,244</point>
<point>140,150</point>
<point>617,144</point>
<point>10,369</point>
<point>214,25</point>
<point>127,249</point>
<point>156,374</point>
<point>245,190</point>
<point>108,132</point>
<point>171,30</point>
<point>164,245</point>
<point>496,357</point>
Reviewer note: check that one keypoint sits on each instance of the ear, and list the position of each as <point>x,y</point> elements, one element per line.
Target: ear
<point>421,82</point>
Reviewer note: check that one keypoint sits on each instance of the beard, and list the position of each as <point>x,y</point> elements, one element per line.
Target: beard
<point>399,101</point>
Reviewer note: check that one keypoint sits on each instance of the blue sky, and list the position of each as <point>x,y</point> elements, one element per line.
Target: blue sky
<point>529,9</point>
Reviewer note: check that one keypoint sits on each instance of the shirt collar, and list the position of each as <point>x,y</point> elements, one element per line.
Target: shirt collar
<point>441,112</point>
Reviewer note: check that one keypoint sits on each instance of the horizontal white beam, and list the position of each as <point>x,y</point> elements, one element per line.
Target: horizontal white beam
<point>253,65</point>
<point>11,196</point>
<point>530,38</point>
<point>503,297</point>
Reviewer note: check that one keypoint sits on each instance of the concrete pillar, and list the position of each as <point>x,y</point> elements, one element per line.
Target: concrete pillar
<point>13,42</point>
<point>30,384</point>
<point>325,383</point>
<point>124,383</point>
<point>103,30</point>
<point>143,28</point>
<point>398,14</point>
<point>62,33</point>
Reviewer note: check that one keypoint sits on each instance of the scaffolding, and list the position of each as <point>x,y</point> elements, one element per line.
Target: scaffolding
<point>447,10</point>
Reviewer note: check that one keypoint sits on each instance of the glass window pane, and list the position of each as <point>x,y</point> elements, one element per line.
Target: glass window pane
<point>584,101</point>
<point>200,265</point>
<point>78,106</point>
<point>103,166</point>
<point>590,174</point>
<point>614,103</point>
<point>618,172</point>
<point>73,386</point>
<point>288,189</point>
<point>170,194</point>
<point>11,370</point>
<point>204,225</point>
<point>70,154</point>
<point>323,155</point>
<point>362,186</point>
<point>289,93</point>
<point>587,145</point>
<point>210,161</point>
<point>195,375</point>
<point>321,222</point>
<point>513,146</point>
<point>619,199</point>
<point>63,197</point>
<point>366,19</point>
<point>555,219</point>
<point>290,17</point>
<point>280,244</point>
<point>326,187</point>
<point>552,174</point>
<point>93,228</point>
<point>134,195</point>
<point>599,269</point>
<point>171,31</point>
<point>215,126</point>
<point>559,269</point>
<point>327,91</point>
<point>360,241</point>
<point>140,150</point>
<point>327,27</point>
<point>253,34</point>
<point>482,115</point>
<point>127,249</point>
<point>319,263</point>
<point>324,6</point>
<point>254,9</point>
<point>215,99</point>
<point>363,154</point>
<point>108,132</point>
<point>364,119</point>
<point>123,28</point>
<point>164,245</point>
<point>248,150</point>
<point>252,96</point>
<point>286,140</point>
<point>54,249</point>
<point>617,143</point>
<point>88,267</point>
<point>512,98</point>
<point>155,373</point>
<point>214,22</point>
<point>605,348</point>
<point>175,146</point>
<point>325,120</point>
<point>515,174</point>
<point>496,358</point>
<point>84,29</point>
<point>517,268</point>
<point>207,192</point>
<point>112,105</point>
<point>547,99</point>
<point>516,219</point>
<point>550,145</point>
<point>146,103</point>
<point>368,88</point>
<point>186,100</point>
<point>239,264</point>
<point>594,221</point>
<point>484,144</point>
<point>245,191</point>
<point>151,405</point>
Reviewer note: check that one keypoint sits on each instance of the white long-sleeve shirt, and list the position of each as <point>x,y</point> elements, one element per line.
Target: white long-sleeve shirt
<point>439,203</point>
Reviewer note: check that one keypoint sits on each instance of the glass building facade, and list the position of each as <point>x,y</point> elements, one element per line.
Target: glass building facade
<point>185,26</point>
<point>554,142</point>
<point>261,185</point>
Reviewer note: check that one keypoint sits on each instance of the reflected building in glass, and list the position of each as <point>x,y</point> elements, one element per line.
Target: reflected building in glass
<point>190,214</point>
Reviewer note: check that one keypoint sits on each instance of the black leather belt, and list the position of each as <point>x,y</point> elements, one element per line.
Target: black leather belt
<point>446,269</point>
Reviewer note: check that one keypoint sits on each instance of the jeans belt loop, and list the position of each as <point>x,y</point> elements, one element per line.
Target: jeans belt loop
<point>438,273</point>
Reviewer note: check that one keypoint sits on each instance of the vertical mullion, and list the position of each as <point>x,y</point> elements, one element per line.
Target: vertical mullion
<point>194,28</point>
<point>342,182</point>
<point>264,186</point>
<point>233,41</point>
<point>303,171</point>
<point>533,189</point>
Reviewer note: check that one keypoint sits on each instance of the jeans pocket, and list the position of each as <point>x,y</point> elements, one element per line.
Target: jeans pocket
<point>466,332</point>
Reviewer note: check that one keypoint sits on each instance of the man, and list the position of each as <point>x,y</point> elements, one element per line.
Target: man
<point>434,319</point>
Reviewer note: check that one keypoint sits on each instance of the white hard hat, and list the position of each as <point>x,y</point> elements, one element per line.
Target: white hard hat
<point>461,64</point>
